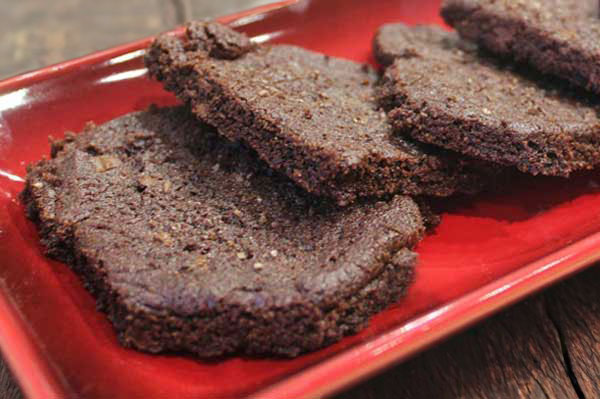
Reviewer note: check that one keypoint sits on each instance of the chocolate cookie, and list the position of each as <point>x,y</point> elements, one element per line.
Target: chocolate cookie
<point>441,91</point>
<point>190,243</point>
<point>307,115</point>
<point>557,37</point>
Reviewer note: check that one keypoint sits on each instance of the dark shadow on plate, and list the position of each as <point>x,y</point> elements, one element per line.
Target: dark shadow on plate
<point>520,197</point>
<point>165,100</point>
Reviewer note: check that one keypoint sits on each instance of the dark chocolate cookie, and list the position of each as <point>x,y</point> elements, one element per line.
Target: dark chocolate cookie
<point>307,115</point>
<point>190,243</point>
<point>557,37</point>
<point>441,91</point>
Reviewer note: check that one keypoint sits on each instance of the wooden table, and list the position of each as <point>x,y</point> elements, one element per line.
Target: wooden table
<point>545,347</point>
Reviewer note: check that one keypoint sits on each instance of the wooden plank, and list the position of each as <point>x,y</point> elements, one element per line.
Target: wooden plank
<point>35,34</point>
<point>516,354</point>
<point>202,9</point>
<point>575,311</point>
<point>8,388</point>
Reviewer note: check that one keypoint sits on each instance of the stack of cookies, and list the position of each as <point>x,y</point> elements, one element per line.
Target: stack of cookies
<point>519,100</point>
<point>274,213</point>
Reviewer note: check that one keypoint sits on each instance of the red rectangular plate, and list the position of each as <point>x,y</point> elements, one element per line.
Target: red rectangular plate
<point>488,251</point>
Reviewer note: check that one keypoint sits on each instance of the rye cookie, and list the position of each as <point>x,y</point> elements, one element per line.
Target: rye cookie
<point>441,91</point>
<point>190,244</point>
<point>308,115</point>
<point>556,37</point>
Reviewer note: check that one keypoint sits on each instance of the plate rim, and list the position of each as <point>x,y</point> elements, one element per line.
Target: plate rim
<point>37,378</point>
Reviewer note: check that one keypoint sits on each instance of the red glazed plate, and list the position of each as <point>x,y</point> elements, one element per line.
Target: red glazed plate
<point>488,251</point>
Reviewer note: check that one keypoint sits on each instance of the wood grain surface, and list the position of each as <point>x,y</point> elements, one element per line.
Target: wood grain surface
<point>545,347</point>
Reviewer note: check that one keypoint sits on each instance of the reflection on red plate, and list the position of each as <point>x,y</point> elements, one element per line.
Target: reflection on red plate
<point>487,252</point>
